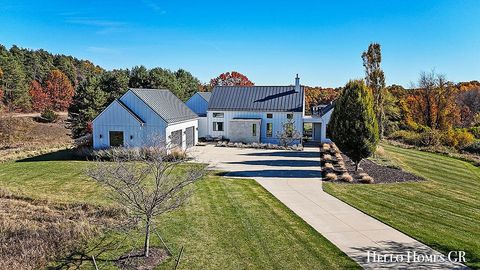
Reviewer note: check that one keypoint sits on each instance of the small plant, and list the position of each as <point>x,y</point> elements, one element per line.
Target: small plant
<point>331,177</point>
<point>346,178</point>
<point>328,166</point>
<point>367,179</point>
<point>327,157</point>
<point>49,116</point>
<point>362,174</point>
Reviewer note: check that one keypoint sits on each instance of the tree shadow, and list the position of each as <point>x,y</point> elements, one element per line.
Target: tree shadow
<point>279,163</point>
<point>396,255</point>
<point>61,155</point>
<point>277,173</point>
<point>297,154</point>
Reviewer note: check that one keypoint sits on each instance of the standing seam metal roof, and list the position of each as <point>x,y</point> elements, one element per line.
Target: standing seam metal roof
<point>256,98</point>
<point>165,104</point>
<point>205,95</point>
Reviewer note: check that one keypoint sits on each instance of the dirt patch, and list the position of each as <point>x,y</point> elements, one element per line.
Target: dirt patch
<point>380,174</point>
<point>136,261</point>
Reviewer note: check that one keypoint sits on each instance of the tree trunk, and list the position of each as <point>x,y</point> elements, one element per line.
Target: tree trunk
<point>146,248</point>
<point>356,166</point>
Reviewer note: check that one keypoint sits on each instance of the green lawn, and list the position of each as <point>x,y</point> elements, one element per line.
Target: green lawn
<point>443,212</point>
<point>228,224</point>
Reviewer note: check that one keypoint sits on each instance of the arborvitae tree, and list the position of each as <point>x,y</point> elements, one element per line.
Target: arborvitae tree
<point>353,125</point>
<point>375,79</point>
<point>89,100</point>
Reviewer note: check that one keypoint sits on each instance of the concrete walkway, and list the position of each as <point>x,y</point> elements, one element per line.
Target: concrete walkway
<point>294,179</point>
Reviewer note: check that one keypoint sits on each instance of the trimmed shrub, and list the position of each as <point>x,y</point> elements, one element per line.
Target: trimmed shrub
<point>328,166</point>
<point>327,157</point>
<point>346,178</point>
<point>331,177</point>
<point>367,179</point>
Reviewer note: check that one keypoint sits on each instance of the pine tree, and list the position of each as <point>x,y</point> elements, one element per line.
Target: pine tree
<point>353,124</point>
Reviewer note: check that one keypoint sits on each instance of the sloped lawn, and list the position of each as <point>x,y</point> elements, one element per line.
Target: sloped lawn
<point>228,224</point>
<point>442,212</point>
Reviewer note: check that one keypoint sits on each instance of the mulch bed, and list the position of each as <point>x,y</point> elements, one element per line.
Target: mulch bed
<point>136,261</point>
<point>381,174</point>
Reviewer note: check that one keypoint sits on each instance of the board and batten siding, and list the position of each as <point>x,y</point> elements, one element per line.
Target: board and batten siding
<point>197,104</point>
<point>278,119</point>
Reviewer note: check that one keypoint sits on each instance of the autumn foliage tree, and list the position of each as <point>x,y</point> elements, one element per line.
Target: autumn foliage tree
<point>318,95</point>
<point>39,98</point>
<point>59,89</point>
<point>231,79</point>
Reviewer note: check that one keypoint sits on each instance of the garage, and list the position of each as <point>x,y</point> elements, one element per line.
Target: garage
<point>190,136</point>
<point>176,138</point>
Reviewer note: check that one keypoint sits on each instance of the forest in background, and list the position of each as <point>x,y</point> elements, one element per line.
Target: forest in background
<point>434,112</point>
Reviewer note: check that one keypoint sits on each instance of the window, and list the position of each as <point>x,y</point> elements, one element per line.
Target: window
<point>116,138</point>
<point>217,115</point>
<point>269,129</point>
<point>254,129</point>
<point>269,115</point>
<point>289,115</point>
<point>217,126</point>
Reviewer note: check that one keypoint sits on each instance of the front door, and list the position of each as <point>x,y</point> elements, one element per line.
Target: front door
<point>317,132</point>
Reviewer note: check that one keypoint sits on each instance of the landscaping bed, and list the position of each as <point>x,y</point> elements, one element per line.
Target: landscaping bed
<point>337,167</point>
<point>294,147</point>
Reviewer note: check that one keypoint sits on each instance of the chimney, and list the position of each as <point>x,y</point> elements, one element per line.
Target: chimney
<point>297,84</point>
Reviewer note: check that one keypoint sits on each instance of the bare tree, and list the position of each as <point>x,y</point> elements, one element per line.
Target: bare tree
<point>288,134</point>
<point>147,181</point>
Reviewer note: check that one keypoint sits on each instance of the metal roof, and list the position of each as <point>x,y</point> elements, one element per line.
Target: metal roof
<point>256,98</point>
<point>165,104</point>
<point>205,95</point>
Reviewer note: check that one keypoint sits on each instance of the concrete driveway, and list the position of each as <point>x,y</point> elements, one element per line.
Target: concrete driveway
<point>294,177</point>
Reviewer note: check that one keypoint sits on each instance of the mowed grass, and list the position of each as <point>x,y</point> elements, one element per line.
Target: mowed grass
<point>442,212</point>
<point>227,224</point>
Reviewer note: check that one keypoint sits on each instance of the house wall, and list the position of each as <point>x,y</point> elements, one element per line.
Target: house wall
<point>182,126</point>
<point>197,104</point>
<point>202,127</point>
<point>241,130</point>
<point>116,118</point>
<point>277,120</point>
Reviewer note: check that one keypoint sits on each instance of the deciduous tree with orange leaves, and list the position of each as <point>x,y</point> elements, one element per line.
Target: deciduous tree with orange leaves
<point>40,99</point>
<point>59,89</point>
<point>231,79</point>
<point>318,95</point>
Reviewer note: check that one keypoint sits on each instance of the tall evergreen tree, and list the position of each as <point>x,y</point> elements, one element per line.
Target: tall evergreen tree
<point>89,100</point>
<point>114,83</point>
<point>375,79</point>
<point>353,125</point>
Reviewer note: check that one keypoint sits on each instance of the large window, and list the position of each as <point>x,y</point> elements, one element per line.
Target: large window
<point>218,115</point>
<point>217,126</point>
<point>269,130</point>
<point>290,116</point>
<point>116,138</point>
<point>254,130</point>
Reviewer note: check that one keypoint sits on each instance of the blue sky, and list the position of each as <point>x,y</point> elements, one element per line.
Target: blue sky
<point>269,41</point>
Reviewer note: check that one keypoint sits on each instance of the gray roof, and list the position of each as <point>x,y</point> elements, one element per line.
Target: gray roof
<point>256,98</point>
<point>165,104</point>
<point>321,110</point>
<point>205,95</point>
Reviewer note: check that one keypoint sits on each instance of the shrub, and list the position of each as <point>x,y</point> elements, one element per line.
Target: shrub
<point>473,148</point>
<point>331,177</point>
<point>328,166</point>
<point>406,136</point>
<point>49,115</point>
<point>327,157</point>
<point>367,179</point>
<point>346,178</point>
<point>475,131</point>
<point>457,138</point>
<point>430,138</point>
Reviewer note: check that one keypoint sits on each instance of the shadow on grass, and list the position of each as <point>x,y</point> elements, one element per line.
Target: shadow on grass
<point>61,155</point>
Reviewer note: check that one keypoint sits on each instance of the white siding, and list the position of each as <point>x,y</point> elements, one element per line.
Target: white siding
<point>116,118</point>
<point>183,126</point>
<point>278,119</point>
<point>197,104</point>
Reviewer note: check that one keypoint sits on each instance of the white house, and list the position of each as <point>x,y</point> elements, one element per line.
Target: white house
<point>144,117</point>
<point>198,103</point>
<point>256,113</point>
